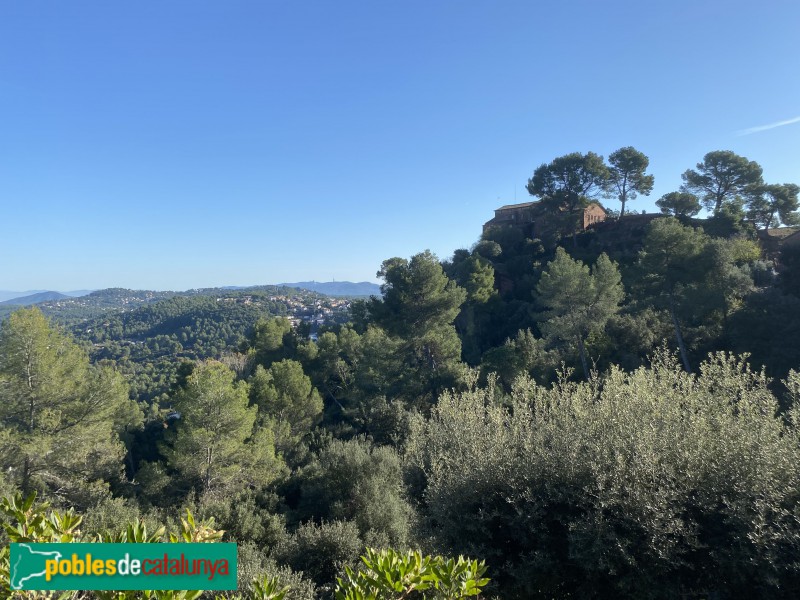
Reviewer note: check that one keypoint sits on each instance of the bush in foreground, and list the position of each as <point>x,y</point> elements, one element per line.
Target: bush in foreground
<point>388,575</point>
<point>648,484</point>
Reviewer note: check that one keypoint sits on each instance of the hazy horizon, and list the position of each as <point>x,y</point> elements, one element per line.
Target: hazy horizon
<point>84,291</point>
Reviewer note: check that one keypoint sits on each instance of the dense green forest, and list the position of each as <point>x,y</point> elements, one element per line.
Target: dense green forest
<point>602,412</point>
<point>147,334</point>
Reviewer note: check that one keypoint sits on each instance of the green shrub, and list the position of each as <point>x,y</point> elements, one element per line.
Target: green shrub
<point>356,481</point>
<point>321,551</point>
<point>389,575</point>
<point>254,564</point>
<point>646,484</point>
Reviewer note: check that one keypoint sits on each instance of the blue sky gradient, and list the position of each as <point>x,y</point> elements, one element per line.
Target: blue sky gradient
<point>173,145</point>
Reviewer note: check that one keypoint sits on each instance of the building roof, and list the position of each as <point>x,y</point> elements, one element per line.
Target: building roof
<point>792,237</point>
<point>522,205</point>
<point>537,203</point>
<point>781,232</point>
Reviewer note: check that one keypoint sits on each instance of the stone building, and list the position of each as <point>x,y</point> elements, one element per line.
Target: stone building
<point>774,240</point>
<point>533,220</point>
<point>792,240</point>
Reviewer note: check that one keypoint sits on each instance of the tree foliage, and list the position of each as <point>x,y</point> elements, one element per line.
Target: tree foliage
<point>322,550</point>
<point>356,481</point>
<point>60,417</point>
<point>772,205</point>
<point>418,307</point>
<point>693,276</point>
<point>649,484</point>
<point>568,183</point>
<point>579,301</point>
<point>268,338</point>
<point>284,394</point>
<point>215,445</point>
<point>570,179</point>
<point>627,177</point>
<point>722,176</point>
<point>671,264</point>
<point>679,204</point>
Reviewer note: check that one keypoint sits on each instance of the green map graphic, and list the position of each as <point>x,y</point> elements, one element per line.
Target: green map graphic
<point>28,564</point>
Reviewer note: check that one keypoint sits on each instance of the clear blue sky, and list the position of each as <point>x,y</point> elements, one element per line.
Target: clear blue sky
<point>173,145</point>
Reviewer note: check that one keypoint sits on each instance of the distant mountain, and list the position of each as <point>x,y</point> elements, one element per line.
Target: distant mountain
<point>35,298</point>
<point>8,295</point>
<point>71,310</point>
<point>338,288</point>
<point>75,307</point>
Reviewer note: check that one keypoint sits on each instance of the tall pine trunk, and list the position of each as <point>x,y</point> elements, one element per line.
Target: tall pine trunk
<point>582,352</point>
<point>679,337</point>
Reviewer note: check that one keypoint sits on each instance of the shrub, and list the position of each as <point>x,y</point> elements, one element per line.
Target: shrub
<point>389,575</point>
<point>355,481</point>
<point>321,551</point>
<point>645,484</point>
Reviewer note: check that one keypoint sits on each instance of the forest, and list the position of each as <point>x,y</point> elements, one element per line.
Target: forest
<point>608,412</point>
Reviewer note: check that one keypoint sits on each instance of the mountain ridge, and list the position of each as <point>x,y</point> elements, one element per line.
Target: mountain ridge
<point>329,288</point>
<point>6,295</point>
<point>36,298</point>
<point>338,288</point>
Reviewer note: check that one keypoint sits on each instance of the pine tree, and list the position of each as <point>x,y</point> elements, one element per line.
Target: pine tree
<point>671,264</point>
<point>626,175</point>
<point>580,301</point>
<point>419,306</point>
<point>60,417</point>
<point>287,400</point>
<point>215,447</point>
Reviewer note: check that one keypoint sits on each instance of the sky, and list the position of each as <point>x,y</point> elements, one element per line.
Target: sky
<point>183,144</point>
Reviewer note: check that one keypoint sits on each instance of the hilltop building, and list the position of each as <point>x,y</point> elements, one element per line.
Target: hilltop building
<point>534,221</point>
<point>791,240</point>
<point>773,241</point>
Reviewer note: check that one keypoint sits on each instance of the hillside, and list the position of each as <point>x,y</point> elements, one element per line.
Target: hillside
<point>148,339</point>
<point>35,298</point>
<point>69,310</point>
<point>149,333</point>
<point>339,288</point>
<point>9,295</point>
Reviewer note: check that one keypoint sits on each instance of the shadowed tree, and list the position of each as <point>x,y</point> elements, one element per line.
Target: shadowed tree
<point>645,484</point>
<point>722,177</point>
<point>284,394</point>
<point>60,417</point>
<point>419,306</point>
<point>355,480</point>
<point>568,183</point>
<point>475,273</point>
<point>671,266</point>
<point>627,176</point>
<point>773,205</point>
<point>268,338</point>
<point>580,302</point>
<point>679,204</point>
<point>216,447</point>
